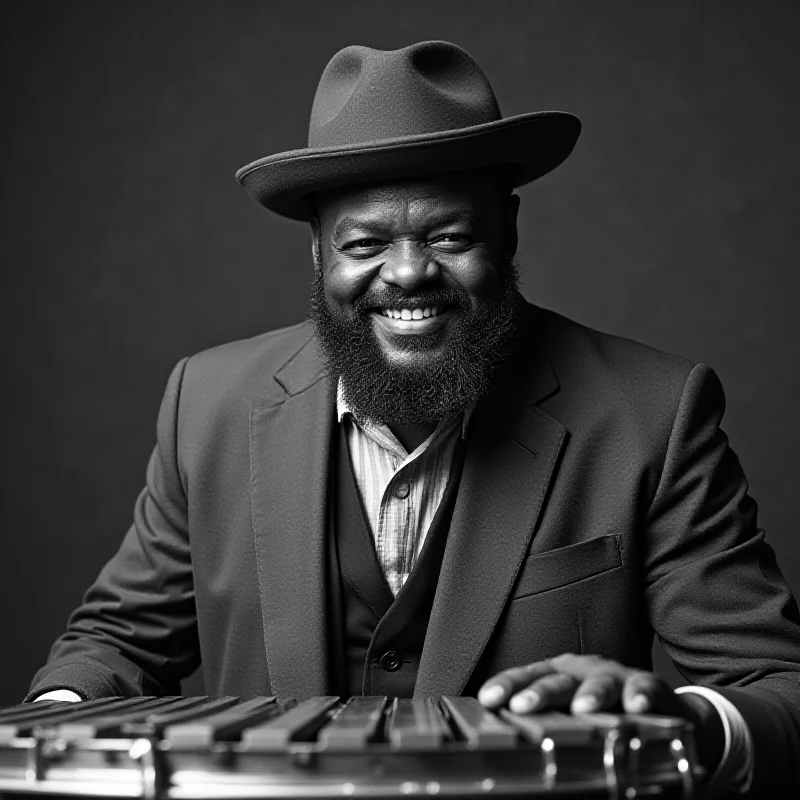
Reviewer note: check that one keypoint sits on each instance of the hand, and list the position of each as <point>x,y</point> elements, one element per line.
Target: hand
<point>584,684</point>
<point>581,683</point>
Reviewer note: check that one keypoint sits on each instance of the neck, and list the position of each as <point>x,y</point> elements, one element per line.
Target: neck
<point>412,436</point>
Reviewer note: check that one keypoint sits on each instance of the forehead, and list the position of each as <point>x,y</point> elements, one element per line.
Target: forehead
<point>475,195</point>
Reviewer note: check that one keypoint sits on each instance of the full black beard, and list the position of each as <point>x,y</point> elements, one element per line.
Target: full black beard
<point>384,392</point>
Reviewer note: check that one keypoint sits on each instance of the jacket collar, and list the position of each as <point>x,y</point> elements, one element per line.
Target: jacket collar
<point>303,368</point>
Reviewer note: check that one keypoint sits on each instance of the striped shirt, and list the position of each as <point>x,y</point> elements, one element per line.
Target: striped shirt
<point>400,491</point>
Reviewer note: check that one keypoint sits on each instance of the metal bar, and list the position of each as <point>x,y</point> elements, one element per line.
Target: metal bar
<point>13,711</point>
<point>416,724</point>
<point>605,722</point>
<point>478,726</point>
<point>603,719</point>
<point>560,728</point>
<point>355,725</point>
<point>301,722</point>
<point>654,725</point>
<point>224,726</point>
<point>42,707</point>
<point>154,724</point>
<point>108,724</point>
<point>48,717</point>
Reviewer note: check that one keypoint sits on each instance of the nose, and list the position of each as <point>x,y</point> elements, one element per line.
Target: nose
<point>409,266</point>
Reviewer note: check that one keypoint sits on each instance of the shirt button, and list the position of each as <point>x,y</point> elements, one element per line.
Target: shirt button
<point>391,661</point>
<point>402,490</point>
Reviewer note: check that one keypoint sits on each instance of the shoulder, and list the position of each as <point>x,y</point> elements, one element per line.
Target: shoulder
<point>244,368</point>
<point>624,399</point>
<point>576,348</point>
<point>613,380</point>
<point>584,358</point>
<point>272,348</point>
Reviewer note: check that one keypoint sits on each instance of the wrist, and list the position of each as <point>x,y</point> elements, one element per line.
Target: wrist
<point>709,733</point>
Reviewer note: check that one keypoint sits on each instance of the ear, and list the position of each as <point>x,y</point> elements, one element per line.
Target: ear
<point>316,243</point>
<point>510,235</point>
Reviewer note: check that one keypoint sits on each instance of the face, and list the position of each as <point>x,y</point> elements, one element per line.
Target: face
<point>415,256</point>
<point>415,291</point>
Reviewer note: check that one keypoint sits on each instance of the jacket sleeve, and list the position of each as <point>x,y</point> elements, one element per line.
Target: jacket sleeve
<point>715,595</point>
<point>136,631</point>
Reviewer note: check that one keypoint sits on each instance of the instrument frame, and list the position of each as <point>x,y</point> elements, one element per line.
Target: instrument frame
<point>611,758</point>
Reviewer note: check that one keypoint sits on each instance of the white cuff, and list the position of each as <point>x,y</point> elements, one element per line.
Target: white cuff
<point>735,769</point>
<point>59,694</point>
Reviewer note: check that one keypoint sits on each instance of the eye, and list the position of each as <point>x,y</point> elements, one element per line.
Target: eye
<point>453,242</point>
<point>364,246</point>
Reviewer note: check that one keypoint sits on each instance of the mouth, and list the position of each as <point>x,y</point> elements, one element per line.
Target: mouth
<point>413,319</point>
<point>410,314</point>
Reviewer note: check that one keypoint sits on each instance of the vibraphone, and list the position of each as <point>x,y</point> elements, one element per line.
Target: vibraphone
<point>366,747</point>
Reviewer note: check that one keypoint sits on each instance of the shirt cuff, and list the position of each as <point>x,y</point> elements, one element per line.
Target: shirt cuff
<point>65,695</point>
<point>735,770</point>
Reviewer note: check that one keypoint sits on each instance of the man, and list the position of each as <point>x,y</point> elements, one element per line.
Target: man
<point>436,487</point>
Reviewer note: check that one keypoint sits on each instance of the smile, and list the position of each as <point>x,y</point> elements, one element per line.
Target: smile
<point>404,321</point>
<point>411,313</point>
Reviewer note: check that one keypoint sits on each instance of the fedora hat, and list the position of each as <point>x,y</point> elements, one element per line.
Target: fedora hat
<point>392,114</point>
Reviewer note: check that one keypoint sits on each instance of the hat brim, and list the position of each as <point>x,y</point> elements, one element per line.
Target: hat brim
<point>534,143</point>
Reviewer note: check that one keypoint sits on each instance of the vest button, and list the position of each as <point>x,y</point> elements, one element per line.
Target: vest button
<point>391,661</point>
<point>402,490</point>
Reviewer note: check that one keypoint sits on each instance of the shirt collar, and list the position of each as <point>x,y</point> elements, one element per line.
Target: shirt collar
<point>342,408</point>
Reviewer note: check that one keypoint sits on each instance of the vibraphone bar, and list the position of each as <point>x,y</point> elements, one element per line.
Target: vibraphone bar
<point>198,748</point>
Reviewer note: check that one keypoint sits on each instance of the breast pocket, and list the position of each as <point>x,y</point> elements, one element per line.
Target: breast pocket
<point>566,565</point>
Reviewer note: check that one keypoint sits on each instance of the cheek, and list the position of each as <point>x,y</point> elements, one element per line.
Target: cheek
<point>344,282</point>
<point>477,274</point>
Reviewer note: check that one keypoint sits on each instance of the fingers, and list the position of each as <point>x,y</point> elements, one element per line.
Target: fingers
<point>647,693</point>
<point>551,691</point>
<point>599,692</point>
<point>584,684</point>
<point>497,690</point>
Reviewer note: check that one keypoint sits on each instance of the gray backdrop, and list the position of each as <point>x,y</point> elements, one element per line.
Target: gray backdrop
<point>127,243</point>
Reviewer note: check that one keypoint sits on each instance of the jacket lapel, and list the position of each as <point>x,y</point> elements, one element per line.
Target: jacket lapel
<point>513,449</point>
<point>290,433</point>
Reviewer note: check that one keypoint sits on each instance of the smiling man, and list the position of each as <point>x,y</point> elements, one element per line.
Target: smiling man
<point>415,295</point>
<point>435,487</point>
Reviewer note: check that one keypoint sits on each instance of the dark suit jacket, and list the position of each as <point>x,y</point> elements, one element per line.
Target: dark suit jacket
<point>599,501</point>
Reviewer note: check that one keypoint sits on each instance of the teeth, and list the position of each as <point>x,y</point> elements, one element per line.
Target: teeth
<point>410,314</point>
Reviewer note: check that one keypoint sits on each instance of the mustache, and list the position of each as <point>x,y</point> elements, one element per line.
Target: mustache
<point>395,297</point>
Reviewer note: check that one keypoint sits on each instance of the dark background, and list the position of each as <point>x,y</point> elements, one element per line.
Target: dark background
<point>126,242</point>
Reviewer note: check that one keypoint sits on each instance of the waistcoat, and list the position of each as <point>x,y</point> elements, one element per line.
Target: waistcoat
<point>376,639</point>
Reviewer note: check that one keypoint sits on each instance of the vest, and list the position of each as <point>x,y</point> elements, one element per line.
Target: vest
<point>376,639</point>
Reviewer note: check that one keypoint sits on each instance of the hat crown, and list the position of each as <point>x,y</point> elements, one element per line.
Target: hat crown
<point>367,95</point>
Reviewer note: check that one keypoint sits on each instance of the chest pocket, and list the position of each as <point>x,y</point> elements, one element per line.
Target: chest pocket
<point>566,565</point>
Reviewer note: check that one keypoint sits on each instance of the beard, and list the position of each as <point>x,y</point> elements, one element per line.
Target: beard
<point>423,390</point>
